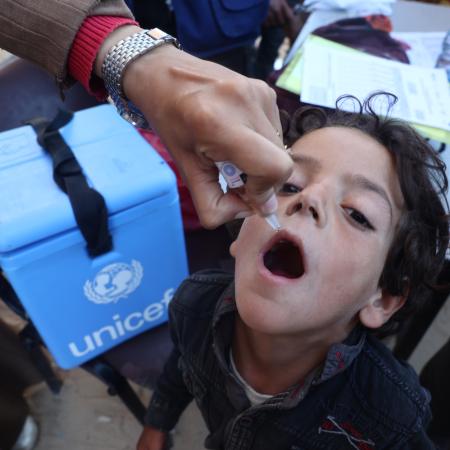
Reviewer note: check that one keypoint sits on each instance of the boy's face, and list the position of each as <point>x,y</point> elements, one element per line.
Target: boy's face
<point>338,212</point>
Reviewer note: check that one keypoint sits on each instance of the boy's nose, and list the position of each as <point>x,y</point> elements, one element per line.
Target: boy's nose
<point>308,204</point>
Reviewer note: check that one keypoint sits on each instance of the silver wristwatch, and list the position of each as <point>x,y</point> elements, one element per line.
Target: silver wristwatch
<point>117,60</point>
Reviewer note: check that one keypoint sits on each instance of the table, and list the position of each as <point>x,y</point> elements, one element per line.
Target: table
<point>417,16</point>
<point>406,16</point>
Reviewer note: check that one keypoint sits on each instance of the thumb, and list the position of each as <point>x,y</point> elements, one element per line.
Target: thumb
<point>266,165</point>
<point>214,207</point>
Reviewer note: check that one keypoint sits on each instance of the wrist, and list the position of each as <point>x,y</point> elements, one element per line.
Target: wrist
<point>124,51</point>
<point>144,72</point>
<point>113,38</point>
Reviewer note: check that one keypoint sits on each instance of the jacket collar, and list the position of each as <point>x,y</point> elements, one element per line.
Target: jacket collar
<point>338,359</point>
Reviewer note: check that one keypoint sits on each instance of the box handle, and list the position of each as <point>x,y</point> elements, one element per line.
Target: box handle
<point>88,205</point>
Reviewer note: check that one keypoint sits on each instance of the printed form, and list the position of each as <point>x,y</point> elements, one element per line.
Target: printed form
<point>328,73</point>
<point>424,48</point>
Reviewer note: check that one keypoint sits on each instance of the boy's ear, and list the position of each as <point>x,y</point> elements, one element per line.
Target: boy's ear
<point>380,308</point>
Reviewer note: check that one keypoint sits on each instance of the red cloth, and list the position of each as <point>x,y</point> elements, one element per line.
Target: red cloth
<point>190,217</point>
<point>88,40</point>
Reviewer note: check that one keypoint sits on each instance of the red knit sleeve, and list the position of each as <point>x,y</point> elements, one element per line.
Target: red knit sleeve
<point>88,40</point>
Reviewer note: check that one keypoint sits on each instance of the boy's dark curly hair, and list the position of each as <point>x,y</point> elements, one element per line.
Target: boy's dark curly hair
<point>417,253</point>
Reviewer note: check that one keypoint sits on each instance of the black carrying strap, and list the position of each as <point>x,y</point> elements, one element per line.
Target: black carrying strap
<point>88,205</point>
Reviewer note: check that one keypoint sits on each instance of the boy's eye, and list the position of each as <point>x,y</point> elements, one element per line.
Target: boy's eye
<point>359,218</point>
<point>289,188</point>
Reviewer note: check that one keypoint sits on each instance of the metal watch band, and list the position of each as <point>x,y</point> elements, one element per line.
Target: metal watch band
<point>116,61</point>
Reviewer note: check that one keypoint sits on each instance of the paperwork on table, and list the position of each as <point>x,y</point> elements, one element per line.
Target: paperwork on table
<point>329,72</point>
<point>424,47</point>
<point>354,8</point>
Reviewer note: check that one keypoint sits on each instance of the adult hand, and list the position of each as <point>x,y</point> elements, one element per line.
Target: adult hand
<point>151,439</point>
<point>279,14</point>
<point>204,113</point>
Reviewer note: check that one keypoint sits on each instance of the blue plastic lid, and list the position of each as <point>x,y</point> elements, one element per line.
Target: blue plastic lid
<point>116,161</point>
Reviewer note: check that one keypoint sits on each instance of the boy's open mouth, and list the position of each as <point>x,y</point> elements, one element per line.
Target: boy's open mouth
<point>284,259</point>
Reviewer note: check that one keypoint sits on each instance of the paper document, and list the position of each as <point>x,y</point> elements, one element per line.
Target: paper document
<point>291,77</point>
<point>425,48</point>
<point>328,73</point>
<point>355,8</point>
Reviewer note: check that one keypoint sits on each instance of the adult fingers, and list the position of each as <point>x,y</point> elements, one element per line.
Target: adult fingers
<point>267,169</point>
<point>264,161</point>
<point>270,19</point>
<point>252,142</point>
<point>268,99</point>
<point>288,14</point>
<point>278,13</point>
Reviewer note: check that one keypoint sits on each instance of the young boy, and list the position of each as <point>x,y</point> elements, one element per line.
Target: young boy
<point>283,356</point>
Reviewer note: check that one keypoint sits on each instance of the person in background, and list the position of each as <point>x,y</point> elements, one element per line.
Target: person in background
<point>154,13</point>
<point>283,20</point>
<point>226,35</point>
<point>222,32</point>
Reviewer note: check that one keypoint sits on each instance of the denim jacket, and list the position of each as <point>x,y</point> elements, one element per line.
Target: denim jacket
<point>362,398</point>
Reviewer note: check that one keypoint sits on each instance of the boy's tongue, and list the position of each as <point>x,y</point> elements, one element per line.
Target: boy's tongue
<point>284,259</point>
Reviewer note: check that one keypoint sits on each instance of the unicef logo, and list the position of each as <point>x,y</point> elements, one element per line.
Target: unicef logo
<point>114,282</point>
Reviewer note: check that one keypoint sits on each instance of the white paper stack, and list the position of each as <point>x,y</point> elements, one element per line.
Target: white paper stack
<point>354,8</point>
<point>329,72</point>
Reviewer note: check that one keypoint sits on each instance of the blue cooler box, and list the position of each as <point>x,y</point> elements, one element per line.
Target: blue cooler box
<point>80,305</point>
